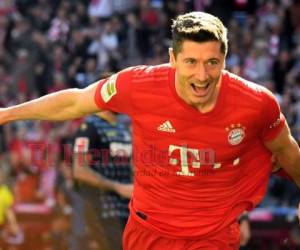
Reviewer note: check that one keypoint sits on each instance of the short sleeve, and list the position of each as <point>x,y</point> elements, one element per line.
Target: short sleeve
<point>114,92</point>
<point>271,117</point>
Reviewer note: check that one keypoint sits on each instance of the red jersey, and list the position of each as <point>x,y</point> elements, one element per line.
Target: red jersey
<point>195,173</point>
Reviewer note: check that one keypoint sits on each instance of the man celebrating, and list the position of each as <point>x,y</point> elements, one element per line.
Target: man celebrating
<point>203,139</point>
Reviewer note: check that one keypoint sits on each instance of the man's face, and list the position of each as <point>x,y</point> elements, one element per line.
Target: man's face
<point>198,70</point>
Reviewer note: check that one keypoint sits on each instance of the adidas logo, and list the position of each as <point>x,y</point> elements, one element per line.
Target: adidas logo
<point>166,127</point>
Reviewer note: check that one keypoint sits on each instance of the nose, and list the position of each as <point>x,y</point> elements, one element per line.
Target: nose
<point>201,73</point>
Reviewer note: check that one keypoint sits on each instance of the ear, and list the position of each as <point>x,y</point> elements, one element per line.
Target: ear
<point>172,59</point>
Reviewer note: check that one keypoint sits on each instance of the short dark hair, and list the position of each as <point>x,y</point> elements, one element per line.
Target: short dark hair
<point>198,27</point>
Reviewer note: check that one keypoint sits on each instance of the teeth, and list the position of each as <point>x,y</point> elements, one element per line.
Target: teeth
<point>201,86</point>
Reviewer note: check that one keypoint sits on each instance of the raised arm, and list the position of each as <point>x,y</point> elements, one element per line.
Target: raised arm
<point>59,106</point>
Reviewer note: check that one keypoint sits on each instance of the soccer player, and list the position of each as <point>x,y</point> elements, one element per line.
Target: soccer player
<point>102,151</point>
<point>202,139</point>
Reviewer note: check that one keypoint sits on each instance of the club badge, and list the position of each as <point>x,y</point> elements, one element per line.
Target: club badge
<point>236,134</point>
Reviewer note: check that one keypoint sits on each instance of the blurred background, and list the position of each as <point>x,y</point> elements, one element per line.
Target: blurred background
<point>50,45</point>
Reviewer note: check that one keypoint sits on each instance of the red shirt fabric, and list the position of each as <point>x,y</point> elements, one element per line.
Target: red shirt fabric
<point>195,173</point>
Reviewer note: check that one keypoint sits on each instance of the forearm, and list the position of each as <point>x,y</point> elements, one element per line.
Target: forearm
<point>11,219</point>
<point>84,174</point>
<point>59,106</point>
<point>289,160</point>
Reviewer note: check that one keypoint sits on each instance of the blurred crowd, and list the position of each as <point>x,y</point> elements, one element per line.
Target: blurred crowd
<point>50,45</point>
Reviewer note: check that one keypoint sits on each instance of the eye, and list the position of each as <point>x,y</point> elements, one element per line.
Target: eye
<point>213,62</point>
<point>190,61</point>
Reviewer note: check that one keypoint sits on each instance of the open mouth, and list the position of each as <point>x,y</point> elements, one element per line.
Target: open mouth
<point>200,90</point>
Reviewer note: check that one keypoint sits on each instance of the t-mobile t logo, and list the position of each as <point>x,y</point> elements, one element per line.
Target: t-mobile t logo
<point>191,156</point>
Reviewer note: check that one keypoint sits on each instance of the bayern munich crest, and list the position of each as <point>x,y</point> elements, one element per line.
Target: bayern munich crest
<point>236,134</point>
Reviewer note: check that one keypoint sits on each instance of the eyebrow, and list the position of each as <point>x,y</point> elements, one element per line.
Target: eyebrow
<point>194,59</point>
<point>214,59</point>
<point>190,58</point>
